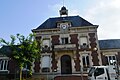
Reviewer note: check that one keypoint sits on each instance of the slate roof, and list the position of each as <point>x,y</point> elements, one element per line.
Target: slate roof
<point>76,21</point>
<point>109,44</point>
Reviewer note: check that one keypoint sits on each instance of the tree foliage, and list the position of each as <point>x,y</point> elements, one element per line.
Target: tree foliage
<point>24,51</point>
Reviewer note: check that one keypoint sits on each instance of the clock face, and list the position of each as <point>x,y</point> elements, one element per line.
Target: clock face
<point>64,26</point>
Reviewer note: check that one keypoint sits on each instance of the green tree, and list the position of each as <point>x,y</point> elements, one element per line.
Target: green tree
<point>24,50</point>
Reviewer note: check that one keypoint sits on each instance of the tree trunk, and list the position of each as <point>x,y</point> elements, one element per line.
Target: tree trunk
<point>20,73</point>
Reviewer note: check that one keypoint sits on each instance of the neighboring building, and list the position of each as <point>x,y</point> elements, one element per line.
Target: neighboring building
<point>70,46</point>
<point>110,51</point>
<point>8,68</point>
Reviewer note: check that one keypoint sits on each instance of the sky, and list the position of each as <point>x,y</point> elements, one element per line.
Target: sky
<point>21,16</point>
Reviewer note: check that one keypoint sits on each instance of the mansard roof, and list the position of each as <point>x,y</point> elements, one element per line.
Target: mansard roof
<point>109,44</point>
<point>76,21</point>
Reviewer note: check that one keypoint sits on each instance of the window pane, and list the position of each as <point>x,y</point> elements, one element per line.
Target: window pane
<point>87,59</point>
<point>110,60</point>
<point>62,39</point>
<point>107,62</point>
<point>2,65</point>
<point>66,40</point>
<point>83,59</point>
<point>5,65</point>
<point>113,57</point>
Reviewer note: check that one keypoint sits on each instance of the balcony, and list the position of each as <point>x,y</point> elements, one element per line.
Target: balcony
<point>65,47</point>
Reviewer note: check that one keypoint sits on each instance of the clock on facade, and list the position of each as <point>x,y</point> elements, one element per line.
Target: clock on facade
<point>64,26</point>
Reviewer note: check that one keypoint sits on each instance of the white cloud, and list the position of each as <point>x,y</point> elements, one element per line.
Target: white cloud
<point>106,15</point>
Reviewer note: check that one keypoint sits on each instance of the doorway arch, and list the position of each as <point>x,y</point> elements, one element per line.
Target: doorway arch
<point>66,66</point>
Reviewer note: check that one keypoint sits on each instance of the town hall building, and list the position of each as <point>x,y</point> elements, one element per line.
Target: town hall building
<point>70,46</point>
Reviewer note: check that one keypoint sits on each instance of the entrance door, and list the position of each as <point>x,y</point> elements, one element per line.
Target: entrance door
<point>66,67</point>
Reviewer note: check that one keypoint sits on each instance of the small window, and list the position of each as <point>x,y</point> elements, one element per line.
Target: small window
<point>3,64</point>
<point>110,59</point>
<point>64,40</point>
<point>85,60</point>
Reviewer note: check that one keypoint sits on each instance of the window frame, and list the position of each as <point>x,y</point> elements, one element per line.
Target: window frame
<point>64,40</point>
<point>107,57</point>
<point>3,64</point>
<point>86,58</point>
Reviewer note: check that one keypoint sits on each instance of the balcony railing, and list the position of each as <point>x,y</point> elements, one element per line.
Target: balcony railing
<point>65,47</point>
